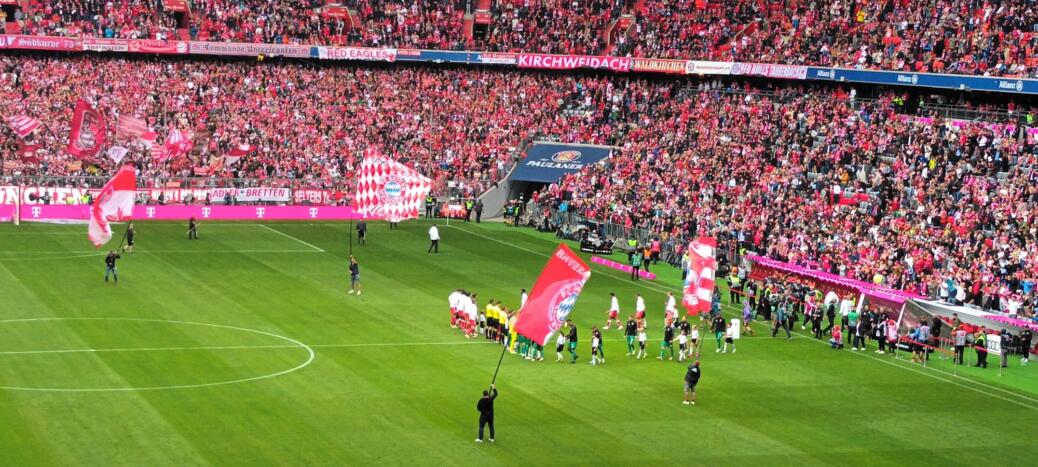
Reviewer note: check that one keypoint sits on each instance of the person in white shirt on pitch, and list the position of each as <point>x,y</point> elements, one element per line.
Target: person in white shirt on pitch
<point>671,311</point>
<point>452,299</point>
<point>434,239</point>
<point>614,312</point>
<point>639,308</point>
<point>522,298</point>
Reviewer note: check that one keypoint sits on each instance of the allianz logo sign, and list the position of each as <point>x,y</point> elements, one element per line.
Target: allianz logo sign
<point>1017,85</point>
<point>831,74</point>
<point>910,79</point>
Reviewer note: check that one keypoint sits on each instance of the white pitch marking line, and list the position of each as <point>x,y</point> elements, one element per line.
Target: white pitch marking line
<point>291,237</point>
<point>311,355</point>
<point>650,287</point>
<point>237,347</point>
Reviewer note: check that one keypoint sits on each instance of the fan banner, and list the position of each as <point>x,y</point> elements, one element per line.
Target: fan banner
<point>699,280</point>
<point>389,190</point>
<point>88,131</point>
<point>553,295</point>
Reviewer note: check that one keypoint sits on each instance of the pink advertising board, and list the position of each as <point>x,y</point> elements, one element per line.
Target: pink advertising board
<point>6,212</point>
<point>182,212</point>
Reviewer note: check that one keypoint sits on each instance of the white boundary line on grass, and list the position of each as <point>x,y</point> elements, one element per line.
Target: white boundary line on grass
<point>237,347</point>
<point>914,370</point>
<point>295,344</point>
<point>291,237</point>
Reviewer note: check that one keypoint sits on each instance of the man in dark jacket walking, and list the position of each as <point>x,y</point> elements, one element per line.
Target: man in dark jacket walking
<point>485,406</point>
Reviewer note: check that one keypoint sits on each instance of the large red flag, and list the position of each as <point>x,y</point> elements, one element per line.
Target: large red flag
<point>553,295</point>
<point>113,203</point>
<point>88,131</point>
<point>699,282</point>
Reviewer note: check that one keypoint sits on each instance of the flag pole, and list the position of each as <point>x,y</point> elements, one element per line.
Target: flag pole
<point>351,236</point>
<point>499,360</point>
<point>127,231</point>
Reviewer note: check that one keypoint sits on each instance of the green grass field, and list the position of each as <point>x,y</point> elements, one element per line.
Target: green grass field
<point>243,348</point>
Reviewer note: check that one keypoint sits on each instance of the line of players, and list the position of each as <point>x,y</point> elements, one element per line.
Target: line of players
<point>497,323</point>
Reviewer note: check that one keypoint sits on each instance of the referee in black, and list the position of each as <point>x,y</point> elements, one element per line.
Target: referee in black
<point>485,406</point>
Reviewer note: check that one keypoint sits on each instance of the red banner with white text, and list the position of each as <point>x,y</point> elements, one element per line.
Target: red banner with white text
<point>570,62</point>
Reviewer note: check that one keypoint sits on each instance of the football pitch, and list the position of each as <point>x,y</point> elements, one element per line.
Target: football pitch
<point>243,348</point>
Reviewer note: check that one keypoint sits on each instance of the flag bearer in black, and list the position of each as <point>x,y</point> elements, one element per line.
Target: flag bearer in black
<point>110,266</point>
<point>192,229</point>
<point>485,406</point>
<point>691,380</point>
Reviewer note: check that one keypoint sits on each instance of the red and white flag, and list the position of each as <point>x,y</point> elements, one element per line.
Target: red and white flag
<point>117,153</point>
<point>553,295</point>
<point>699,282</point>
<point>23,125</point>
<point>130,127</point>
<point>177,143</point>
<point>241,150</point>
<point>390,190</point>
<point>88,131</point>
<point>113,204</point>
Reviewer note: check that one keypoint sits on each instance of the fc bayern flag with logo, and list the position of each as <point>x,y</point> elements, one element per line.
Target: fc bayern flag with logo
<point>699,282</point>
<point>553,295</point>
<point>113,204</point>
<point>390,190</point>
<point>88,131</point>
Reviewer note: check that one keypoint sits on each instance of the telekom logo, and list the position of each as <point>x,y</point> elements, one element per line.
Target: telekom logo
<point>260,212</point>
<point>150,212</point>
<point>206,211</point>
<point>313,213</point>
<point>36,211</point>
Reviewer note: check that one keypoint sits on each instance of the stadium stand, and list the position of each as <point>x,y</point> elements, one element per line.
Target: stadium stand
<point>957,36</point>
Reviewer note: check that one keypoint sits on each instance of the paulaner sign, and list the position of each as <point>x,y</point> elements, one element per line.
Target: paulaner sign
<point>549,162</point>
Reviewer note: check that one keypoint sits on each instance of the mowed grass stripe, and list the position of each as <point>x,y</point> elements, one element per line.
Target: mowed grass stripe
<point>772,402</point>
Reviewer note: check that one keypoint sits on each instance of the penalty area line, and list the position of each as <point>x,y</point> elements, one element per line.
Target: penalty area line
<point>291,237</point>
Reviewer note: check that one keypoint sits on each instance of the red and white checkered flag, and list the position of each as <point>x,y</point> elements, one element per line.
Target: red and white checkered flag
<point>23,125</point>
<point>699,281</point>
<point>390,190</point>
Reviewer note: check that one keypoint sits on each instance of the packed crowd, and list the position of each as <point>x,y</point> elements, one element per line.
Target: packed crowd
<point>853,187</point>
<point>306,122</point>
<point>997,37</point>
<point>850,187</point>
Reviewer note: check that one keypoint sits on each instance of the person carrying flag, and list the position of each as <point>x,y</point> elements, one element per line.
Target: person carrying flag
<point>192,229</point>
<point>485,406</point>
<point>110,266</point>
<point>354,276</point>
<point>130,232</point>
